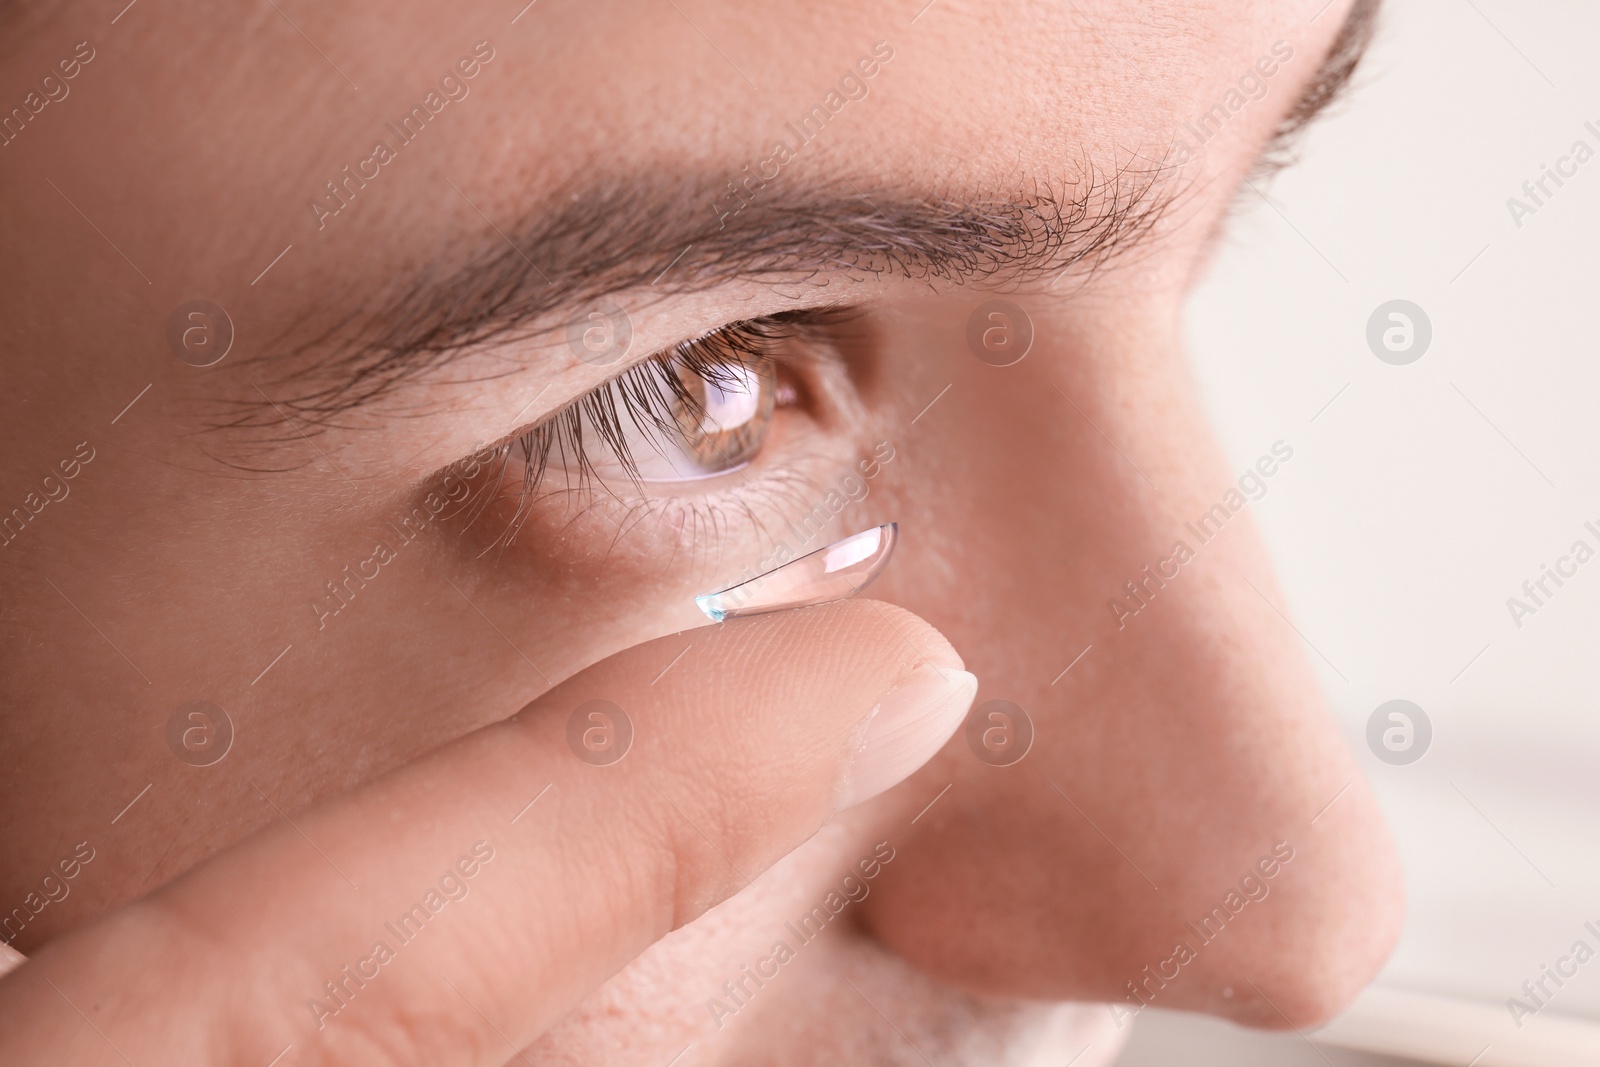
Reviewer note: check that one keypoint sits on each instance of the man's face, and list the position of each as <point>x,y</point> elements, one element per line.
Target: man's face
<point>432,230</point>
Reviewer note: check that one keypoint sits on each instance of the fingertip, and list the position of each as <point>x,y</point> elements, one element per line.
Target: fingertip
<point>911,723</point>
<point>909,636</point>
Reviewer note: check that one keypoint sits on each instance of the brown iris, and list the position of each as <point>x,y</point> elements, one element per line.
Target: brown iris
<point>727,414</point>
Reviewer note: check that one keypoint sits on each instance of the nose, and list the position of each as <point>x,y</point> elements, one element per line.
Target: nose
<point>1187,828</point>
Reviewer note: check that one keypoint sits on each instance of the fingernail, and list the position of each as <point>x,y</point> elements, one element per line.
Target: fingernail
<point>910,724</point>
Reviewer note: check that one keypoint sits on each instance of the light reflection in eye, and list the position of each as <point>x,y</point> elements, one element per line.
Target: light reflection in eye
<point>702,408</point>
<point>730,404</point>
<point>715,424</point>
<point>735,414</point>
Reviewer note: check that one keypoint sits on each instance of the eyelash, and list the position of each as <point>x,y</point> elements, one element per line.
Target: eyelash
<point>645,394</point>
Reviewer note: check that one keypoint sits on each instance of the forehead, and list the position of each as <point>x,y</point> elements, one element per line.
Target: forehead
<point>249,99</point>
<point>355,142</point>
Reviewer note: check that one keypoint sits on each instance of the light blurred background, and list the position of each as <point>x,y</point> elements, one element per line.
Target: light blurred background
<point>1422,496</point>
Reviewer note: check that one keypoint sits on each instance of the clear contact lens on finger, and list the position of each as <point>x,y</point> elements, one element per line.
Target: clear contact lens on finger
<point>842,569</point>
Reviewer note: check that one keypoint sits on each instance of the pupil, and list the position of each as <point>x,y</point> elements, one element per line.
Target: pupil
<point>730,416</point>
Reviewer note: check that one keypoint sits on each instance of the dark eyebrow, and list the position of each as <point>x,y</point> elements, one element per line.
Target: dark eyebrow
<point>646,234</point>
<point>1327,85</point>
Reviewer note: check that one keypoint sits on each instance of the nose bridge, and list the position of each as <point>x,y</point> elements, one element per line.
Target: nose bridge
<point>1111,527</point>
<point>1179,743</point>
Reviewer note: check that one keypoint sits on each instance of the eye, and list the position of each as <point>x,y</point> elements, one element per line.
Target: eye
<point>703,408</point>
<point>721,423</point>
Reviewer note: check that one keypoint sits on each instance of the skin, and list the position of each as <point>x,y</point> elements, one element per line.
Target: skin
<point>1181,749</point>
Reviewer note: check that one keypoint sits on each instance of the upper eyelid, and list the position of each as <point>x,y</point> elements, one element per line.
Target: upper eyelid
<point>784,327</point>
<point>812,323</point>
<point>798,323</point>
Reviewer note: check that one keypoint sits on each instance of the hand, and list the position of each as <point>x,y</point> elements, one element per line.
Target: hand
<point>433,917</point>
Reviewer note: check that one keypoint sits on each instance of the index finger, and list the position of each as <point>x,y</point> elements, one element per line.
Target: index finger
<point>449,912</point>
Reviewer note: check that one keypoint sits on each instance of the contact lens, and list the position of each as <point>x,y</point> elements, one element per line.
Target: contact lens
<point>726,420</point>
<point>843,568</point>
